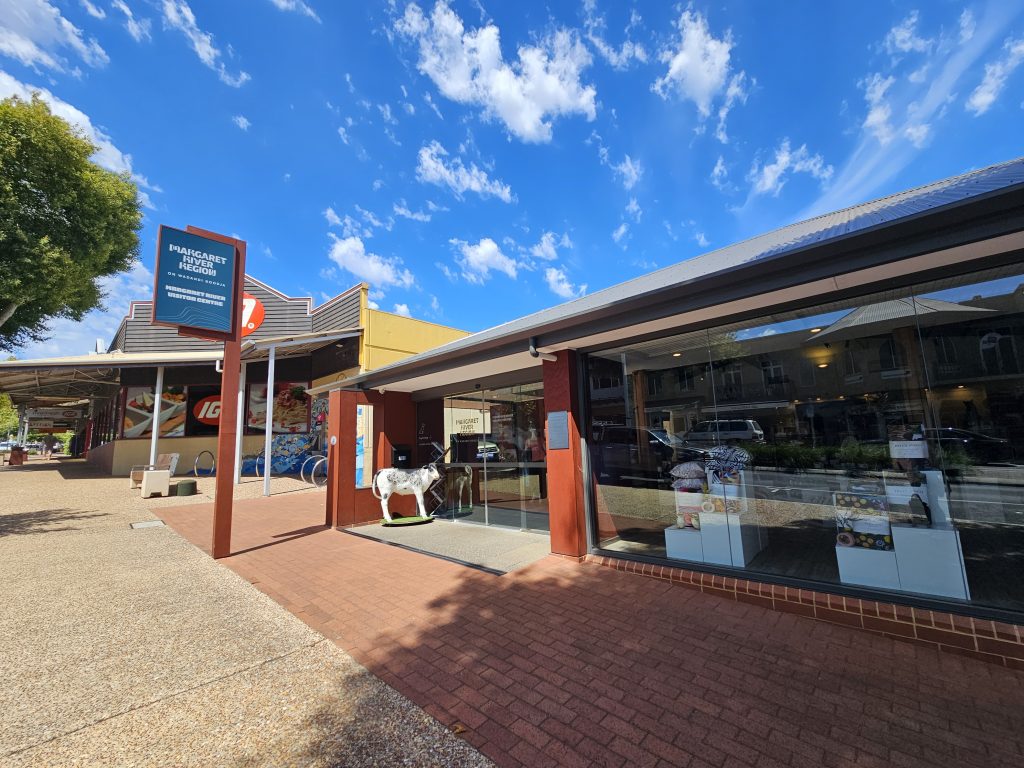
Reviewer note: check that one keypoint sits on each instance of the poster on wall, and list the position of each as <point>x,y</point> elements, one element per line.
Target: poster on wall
<point>364,446</point>
<point>138,412</point>
<point>291,407</point>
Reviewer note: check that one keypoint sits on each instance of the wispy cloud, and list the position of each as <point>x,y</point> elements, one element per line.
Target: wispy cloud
<point>433,168</point>
<point>178,15</point>
<point>296,6</point>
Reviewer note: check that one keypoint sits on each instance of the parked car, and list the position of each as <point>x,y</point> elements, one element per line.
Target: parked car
<point>6,445</point>
<point>485,449</point>
<point>725,431</point>
<point>980,449</point>
<point>645,453</point>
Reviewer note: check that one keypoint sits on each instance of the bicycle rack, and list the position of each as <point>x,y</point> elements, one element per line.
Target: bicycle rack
<point>213,464</point>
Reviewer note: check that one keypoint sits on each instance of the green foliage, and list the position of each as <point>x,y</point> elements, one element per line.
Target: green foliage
<point>64,222</point>
<point>8,417</point>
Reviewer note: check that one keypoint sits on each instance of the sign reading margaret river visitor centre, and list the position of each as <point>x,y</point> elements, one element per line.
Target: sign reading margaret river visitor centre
<point>194,281</point>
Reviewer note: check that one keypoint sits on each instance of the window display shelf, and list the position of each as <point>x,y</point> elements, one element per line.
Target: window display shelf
<point>930,560</point>
<point>868,567</point>
<point>729,532</point>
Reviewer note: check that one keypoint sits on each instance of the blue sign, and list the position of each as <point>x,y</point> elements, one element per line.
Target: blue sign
<point>195,281</point>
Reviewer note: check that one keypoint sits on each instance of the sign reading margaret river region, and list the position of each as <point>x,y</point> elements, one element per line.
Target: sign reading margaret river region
<point>195,281</point>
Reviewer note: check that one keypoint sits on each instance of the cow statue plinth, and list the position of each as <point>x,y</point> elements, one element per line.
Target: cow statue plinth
<point>404,482</point>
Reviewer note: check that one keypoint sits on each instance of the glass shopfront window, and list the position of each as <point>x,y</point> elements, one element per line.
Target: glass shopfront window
<point>876,442</point>
<point>495,469</point>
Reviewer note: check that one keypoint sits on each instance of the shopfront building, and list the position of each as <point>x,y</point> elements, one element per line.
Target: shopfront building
<point>117,391</point>
<point>833,408</point>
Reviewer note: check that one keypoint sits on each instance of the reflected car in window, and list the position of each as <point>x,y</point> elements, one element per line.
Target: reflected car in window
<point>622,453</point>
<point>725,431</point>
<point>980,449</point>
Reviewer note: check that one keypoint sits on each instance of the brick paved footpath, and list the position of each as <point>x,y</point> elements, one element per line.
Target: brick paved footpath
<point>573,664</point>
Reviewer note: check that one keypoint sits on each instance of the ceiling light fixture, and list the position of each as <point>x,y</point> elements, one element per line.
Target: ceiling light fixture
<point>677,354</point>
<point>823,365</point>
<point>815,330</point>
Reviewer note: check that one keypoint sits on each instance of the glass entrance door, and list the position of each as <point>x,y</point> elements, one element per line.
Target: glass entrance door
<point>496,468</point>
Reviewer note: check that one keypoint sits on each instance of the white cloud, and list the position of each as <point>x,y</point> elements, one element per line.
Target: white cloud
<point>433,169</point>
<point>402,210</point>
<point>435,305</point>
<point>296,6</point>
<point>371,218</point>
<point>630,170</point>
<point>468,68</point>
<point>559,284</point>
<point>107,155</point>
<point>350,254</point>
<point>402,309</point>
<point>409,108</point>
<point>547,247</point>
<point>634,210</point>
<point>139,29</point>
<point>478,260</point>
<point>343,134</point>
<point>699,70</point>
<point>903,37</point>
<point>385,113</point>
<point>620,57</point>
<point>770,178</point>
<point>736,92</point>
<point>78,337</point>
<point>92,10</point>
<point>967,25</point>
<point>701,239</point>
<point>996,74</point>
<point>178,15</point>
<point>433,106</point>
<point>332,218</point>
<point>435,208</point>
<point>918,134</point>
<point>34,31</point>
<point>719,174</point>
<point>241,121</point>
<point>620,232</point>
<point>879,109</point>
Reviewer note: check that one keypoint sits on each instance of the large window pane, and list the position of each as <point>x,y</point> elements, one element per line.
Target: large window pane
<point>871,442</point>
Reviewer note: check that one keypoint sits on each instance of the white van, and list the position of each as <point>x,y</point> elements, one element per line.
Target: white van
<point>725,431</point>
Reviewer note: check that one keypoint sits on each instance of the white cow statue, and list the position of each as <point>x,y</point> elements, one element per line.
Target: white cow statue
<point>403,482</point>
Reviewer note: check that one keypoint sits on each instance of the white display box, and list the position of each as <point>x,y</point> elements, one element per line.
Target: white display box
<point>715,538</point>
<point>930,561</point>
<point>868,567</point>
<point>684,544</point>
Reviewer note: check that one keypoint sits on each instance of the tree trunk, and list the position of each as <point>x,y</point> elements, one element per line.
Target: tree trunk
<point>9,310</point>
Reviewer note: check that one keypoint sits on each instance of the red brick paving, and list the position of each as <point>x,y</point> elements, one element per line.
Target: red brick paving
<point>573,664</point>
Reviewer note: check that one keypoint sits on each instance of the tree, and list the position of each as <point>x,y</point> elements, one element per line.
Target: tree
<point>64,222</point>
<point>8,417</point>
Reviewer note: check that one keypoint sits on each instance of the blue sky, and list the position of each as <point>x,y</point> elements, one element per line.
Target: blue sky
<point>475,162</point>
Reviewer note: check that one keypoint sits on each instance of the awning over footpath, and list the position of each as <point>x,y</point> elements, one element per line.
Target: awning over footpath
<point>61,380</point>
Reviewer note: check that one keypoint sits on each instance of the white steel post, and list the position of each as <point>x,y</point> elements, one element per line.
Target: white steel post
<point>269,430</point>
<point>240,425</point>
<point>158,398</point>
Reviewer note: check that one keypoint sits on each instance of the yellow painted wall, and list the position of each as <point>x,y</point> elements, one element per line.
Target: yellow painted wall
<point>388,338</point>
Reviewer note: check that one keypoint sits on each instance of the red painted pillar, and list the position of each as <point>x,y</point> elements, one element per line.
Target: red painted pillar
<point>564,466</point>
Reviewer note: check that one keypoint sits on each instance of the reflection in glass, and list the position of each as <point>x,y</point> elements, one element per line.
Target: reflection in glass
<point>871,442</point>
<point>496,469</point>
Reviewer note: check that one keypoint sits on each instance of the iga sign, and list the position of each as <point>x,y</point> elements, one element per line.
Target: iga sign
<point>207,411</point>
<point>195,281</point>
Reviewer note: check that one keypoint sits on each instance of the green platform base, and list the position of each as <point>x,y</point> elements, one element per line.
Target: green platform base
<point>406,521</point>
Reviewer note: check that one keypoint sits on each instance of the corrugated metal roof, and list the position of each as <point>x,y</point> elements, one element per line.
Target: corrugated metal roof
<point>816,231</point>
<point>114,360</point>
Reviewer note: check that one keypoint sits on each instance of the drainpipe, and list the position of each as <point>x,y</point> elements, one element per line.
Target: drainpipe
<point>541,355</point>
